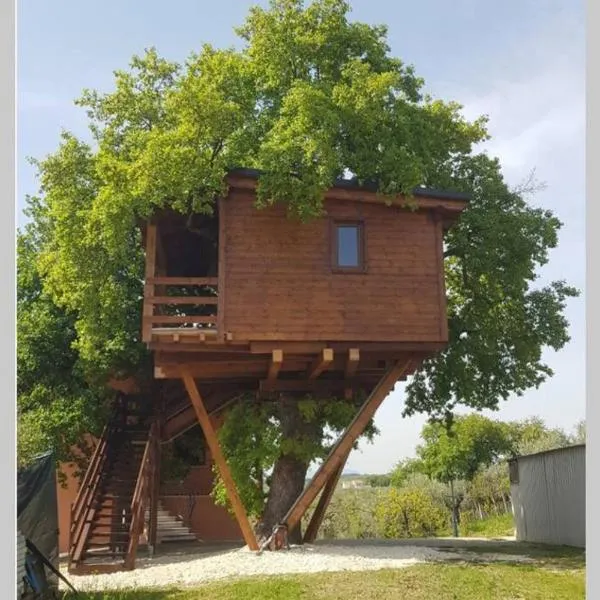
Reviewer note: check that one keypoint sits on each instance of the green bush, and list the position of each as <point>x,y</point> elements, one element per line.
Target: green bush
<point>406,513</point>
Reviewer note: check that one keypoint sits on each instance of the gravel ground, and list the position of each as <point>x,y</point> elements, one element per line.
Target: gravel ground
<point>187,568</point>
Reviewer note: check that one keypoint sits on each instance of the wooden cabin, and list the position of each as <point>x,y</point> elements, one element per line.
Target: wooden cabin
<point>252,301</point>
<point>255,299</point>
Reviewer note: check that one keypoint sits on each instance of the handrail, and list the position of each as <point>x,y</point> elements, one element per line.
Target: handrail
<point>140,495</point>
<point>80,508</point>
<point>82,504</point>
<point>93,461</point>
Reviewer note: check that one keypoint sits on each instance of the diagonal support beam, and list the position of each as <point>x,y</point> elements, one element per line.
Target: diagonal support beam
<point>215,449</point>
<point>344,445</point>
<point>321,363</point>
<point>317,519</point>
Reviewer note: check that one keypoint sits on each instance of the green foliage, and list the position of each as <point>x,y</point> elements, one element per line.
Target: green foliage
<point>377,481</point>
<point>409,512</point>
<point>250,441</point>
<point>310,97</point>
<point>55,406</point>
<point>494,526</point>
<point>499,319</point>
<point>253,436</point>
<point>404,470</point>
<point>532,435</point>
<point>458,452</point>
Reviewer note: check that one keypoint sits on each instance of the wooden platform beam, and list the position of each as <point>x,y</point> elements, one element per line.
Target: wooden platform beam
<point>321,363</point>
<point>310,535</point>
<point>344,445</point>
<point>314,385</point>
<point>219,458</point>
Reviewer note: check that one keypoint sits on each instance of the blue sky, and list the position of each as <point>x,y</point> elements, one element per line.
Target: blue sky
<point>520,62</point>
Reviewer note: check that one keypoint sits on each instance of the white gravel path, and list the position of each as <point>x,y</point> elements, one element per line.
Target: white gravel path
<point>186,569</point>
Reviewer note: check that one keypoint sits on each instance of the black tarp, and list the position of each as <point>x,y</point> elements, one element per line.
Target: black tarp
<point>37,507</point>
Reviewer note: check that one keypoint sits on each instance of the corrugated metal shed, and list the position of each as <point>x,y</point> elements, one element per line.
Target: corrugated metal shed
<point>548,495</point>
<point>21,551</point>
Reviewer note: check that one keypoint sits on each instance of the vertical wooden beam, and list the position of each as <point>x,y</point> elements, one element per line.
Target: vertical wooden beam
<point>150,272</point>
<point>275,365</point>
<point>321,363</point>
<point>317,519</point>
<point>221,263</point>
<point>344,445</point>
<point>352,362</point>
<point>217,454</point>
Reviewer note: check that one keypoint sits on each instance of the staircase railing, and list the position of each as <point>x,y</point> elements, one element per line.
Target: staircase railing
<point>81,508</point>
<point>141,494</point>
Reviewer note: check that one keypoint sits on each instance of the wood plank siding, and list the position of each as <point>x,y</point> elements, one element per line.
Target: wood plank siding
<point>281,284</point>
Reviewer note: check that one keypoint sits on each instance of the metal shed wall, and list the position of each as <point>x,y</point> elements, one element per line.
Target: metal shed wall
<point>549,498</point>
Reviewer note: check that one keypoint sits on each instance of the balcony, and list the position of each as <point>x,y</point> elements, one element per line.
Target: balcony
<point>180,309</point>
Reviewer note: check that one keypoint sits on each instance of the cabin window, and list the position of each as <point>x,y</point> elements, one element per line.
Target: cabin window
<point>348,246</point>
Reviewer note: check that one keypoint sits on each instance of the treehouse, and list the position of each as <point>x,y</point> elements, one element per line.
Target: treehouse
<point>252,301</point>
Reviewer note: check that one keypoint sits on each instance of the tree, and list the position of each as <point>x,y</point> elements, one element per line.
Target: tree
<point>310,97</point>
<point>580,435</point>
<point>460,451</point>
<point>404,470</point>
<point>533,435</point>
<point>55,406</point>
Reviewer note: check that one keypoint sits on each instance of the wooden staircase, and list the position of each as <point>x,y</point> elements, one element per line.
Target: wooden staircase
<point>107,517</point>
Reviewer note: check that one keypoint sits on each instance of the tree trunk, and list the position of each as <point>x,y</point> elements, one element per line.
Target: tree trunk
<point>289,473</point>
<point>454,511</point>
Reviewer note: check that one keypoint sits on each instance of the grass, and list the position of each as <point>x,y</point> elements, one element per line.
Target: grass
<point>556,574</point>
<point>556,558</point>
<point>495,526</point>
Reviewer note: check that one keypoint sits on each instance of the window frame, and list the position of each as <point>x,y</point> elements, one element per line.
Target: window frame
<point>362,262</point>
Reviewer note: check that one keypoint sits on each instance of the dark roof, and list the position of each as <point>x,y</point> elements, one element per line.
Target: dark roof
<point>551,451</point>
<point>353,184</point>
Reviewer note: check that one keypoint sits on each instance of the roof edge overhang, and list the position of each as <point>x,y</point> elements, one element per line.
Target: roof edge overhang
<point>447,204</point>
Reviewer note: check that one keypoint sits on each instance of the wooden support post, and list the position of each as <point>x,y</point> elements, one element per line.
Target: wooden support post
<point>148,310</point>
<point>352,362</point>
<point>275,365</point>
<point>350,371</point>
<point>344,445</point>
<point>215,449</point>
<point>317,519</point>
<point>321,363</point>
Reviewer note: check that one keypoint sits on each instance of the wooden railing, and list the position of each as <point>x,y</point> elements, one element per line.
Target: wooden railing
<point>164,309</point>
<point>81,508</point>
<point>141,495</point>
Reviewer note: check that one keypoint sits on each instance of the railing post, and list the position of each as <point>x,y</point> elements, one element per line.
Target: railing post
<point>70,532</point>
<point>148,310</point>
<point>154,488</point>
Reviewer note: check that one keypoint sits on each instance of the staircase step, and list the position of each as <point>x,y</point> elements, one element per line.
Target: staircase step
<point>166,540</point>
<point>110,533</point>
<point>104,544</point>
<point>101,556</point>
